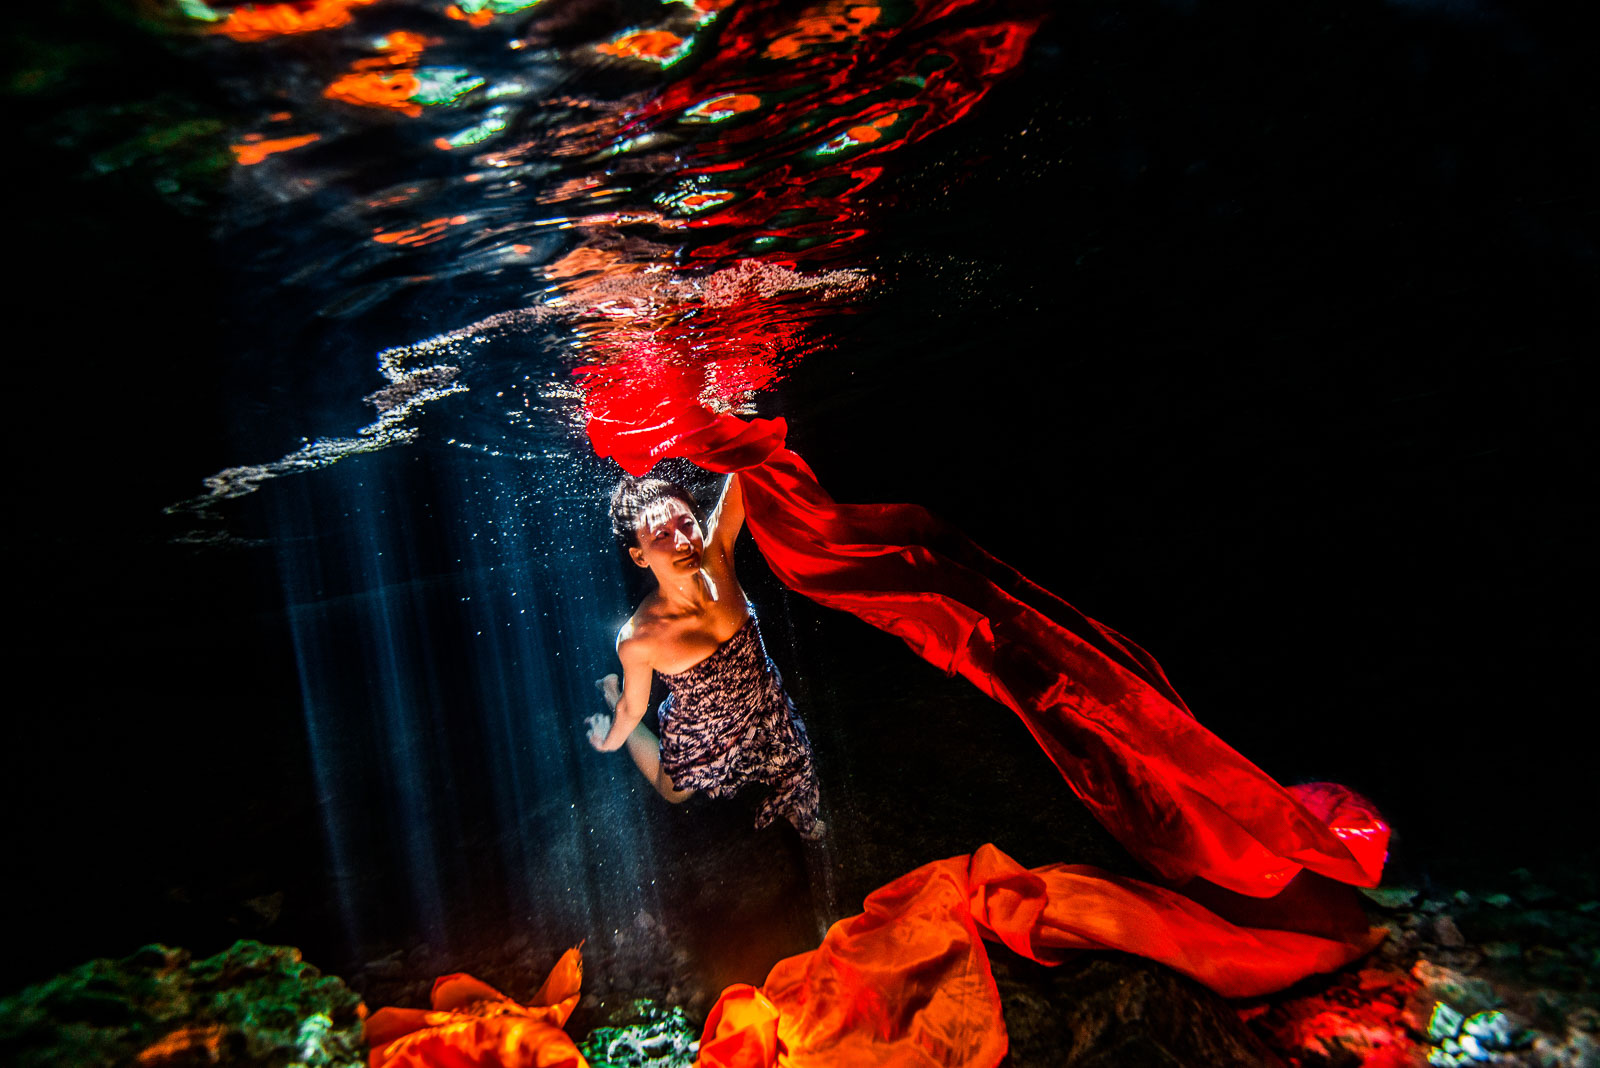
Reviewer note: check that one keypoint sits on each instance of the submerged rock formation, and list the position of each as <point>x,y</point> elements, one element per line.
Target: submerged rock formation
<point>251,1004</point>
<point>643,1034</point>
<point>1500,974</point>
<point>1117,1011</point>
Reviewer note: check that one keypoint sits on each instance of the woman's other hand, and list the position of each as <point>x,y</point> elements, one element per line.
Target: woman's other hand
<point>610,688</point>
<point>599,731</point>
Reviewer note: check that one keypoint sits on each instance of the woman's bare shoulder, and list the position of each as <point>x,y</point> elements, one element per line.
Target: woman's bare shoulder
<point>640,635</point>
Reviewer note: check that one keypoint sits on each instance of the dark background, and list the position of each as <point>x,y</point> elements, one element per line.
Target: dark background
<point>1273,356</point>
<point>1262,338</point>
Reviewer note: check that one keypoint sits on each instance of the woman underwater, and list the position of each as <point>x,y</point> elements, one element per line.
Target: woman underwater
<point>727,721</point>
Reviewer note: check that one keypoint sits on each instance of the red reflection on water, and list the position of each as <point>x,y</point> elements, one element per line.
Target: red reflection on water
<point>478,19</point>
<point>399,49</point>
<point>662,343</point>
<point>378,89</point>
<point>817,93</point>
<point>421,234</point>
<point>798,100</point>
<point>649,377</point>
<point>722,107</point>
<point>655,335</point>
<point>254,147</point>
<point>795,101</point>
<point>386,80</point>
<point>657,45</point>
<point>823,24</point>
<point>260,22</point>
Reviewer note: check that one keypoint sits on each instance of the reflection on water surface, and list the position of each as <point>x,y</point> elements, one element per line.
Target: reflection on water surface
<point>593,211</point>
<point>639,214</point>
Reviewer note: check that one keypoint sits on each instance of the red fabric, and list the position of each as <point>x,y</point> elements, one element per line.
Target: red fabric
<point>878,93</point>
<point>907,982</point>
<point>473,1025</point>
<point>1174,794</point>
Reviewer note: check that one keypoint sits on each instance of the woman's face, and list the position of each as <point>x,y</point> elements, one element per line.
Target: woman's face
<point>669,538</point>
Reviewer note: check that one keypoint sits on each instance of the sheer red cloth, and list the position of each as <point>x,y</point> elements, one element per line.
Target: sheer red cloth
<point>907,982</point>
<point>1173,793</point>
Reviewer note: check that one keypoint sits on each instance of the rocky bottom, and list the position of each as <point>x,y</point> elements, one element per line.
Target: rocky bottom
<point>1498,972</point>
<point>1494,974</point>
<point>251,1004</point>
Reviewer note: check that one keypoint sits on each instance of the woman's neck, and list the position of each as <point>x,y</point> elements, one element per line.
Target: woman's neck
<point>687,594</point>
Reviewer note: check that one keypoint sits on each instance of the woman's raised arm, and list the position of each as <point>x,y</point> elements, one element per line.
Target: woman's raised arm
<point>727,519</point>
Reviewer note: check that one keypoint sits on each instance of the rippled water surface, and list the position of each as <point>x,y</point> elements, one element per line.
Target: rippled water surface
<point>618,192</point>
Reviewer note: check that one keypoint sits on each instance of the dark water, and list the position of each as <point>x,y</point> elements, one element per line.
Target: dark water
<point>1261,339</point>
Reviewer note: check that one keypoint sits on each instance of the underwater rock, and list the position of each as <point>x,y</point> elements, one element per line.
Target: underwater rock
<point>1460,959</point>
<point>1517,989</point>
<point>1575,1049</point>
<point>1446,933</point>
<point>268,907</point>
<point>251,1004</point>
<point>1474,978</point>
<point>1400,946</point>
<point>1482,1038</point>
<point>1346,1019</point>
<point>1525,925</point>
<point>385,967</point>
<point>643,1034</point>
<point>1534,893</point>
<point>1115,1012</point>
<point>1551,966</point>
<point>1390,897</point>
<point>1464,993</point>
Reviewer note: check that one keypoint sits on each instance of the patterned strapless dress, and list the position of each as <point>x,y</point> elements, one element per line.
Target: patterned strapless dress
<point>728,723</point>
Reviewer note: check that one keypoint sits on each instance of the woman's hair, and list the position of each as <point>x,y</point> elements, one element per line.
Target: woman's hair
<point>632,496</point>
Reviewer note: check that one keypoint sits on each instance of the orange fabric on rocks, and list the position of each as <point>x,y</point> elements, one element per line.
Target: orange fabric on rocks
<point>907,982</point>
<point>473,1025</point>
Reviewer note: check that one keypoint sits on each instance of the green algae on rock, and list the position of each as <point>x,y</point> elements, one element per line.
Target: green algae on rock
<point>645,1035</point>
<point>249,1005</point>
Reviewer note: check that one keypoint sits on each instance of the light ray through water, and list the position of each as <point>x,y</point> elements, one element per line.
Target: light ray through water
<point>652,230</point>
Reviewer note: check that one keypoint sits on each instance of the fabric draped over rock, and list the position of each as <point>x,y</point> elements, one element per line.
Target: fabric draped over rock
<point>473,1025</point>
<point>908,983</point>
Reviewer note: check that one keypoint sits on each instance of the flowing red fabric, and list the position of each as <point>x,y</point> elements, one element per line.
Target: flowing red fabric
<point>907,982</point>
<point>1173,793</point>
<point>473,1025</point>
